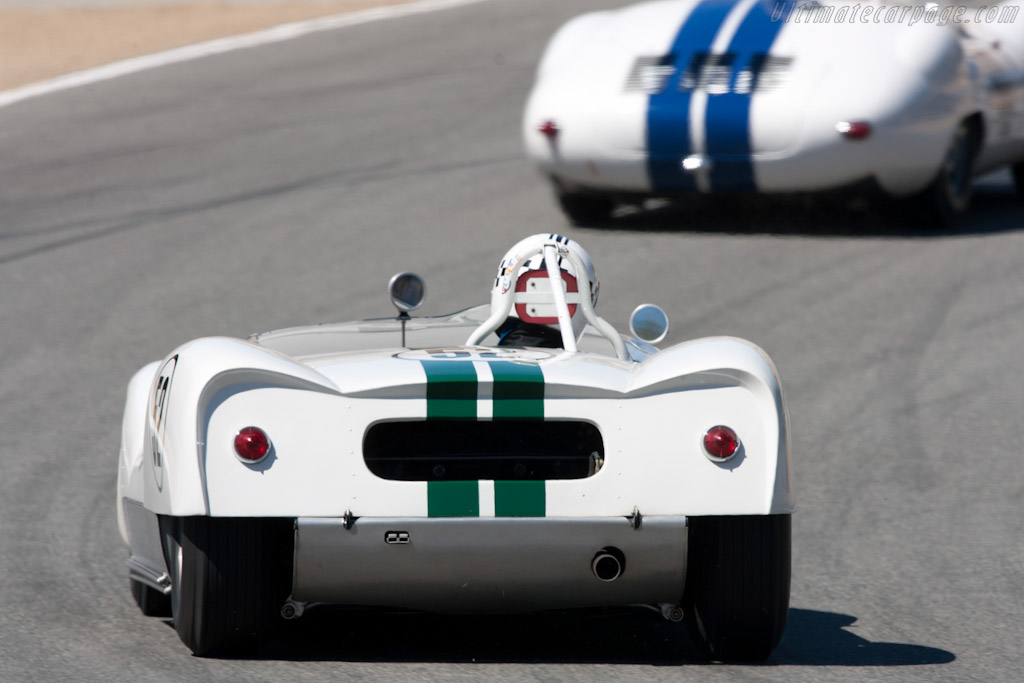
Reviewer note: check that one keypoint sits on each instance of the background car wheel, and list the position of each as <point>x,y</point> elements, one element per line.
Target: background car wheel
<point>152,602</point>
<point>737,585</point>
<point>1018,177</point>
<point>229,579</point>
<point>586,207</point>
<point>947,199</point>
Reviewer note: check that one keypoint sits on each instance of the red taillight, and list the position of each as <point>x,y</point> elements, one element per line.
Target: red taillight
<point>721,443</point>
<point>252,444</point>
<point>549,129</point>
<point>854,130</point>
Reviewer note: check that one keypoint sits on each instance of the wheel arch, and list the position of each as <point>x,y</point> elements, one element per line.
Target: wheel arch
<point>174,447</point>
<point>745,365</point>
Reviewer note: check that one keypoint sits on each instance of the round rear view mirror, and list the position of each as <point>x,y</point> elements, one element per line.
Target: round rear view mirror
<point>649,323</point>
<point>407,291</point>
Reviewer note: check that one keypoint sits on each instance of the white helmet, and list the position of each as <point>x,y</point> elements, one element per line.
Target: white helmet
<point>531,277</point>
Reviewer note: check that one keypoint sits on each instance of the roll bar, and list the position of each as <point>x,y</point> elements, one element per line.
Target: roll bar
<point>501,301</point>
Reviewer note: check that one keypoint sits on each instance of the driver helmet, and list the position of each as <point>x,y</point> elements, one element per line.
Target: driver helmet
<point>533,277</point>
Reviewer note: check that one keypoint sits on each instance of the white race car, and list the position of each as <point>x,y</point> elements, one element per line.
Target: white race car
<point>681,96</point>
<point>513,457</point>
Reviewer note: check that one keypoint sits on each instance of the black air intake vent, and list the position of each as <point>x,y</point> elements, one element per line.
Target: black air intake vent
<point>459,450</point>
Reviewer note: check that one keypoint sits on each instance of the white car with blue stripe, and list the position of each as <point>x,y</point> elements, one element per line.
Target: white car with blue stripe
<point>422,463</point>
<point>666,98</point>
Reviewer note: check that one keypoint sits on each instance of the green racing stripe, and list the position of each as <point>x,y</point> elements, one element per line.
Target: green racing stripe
<point>453,499</point>
<point>452,393</point>
<point>518,391</point>
<point>451,389</point>
<point>462,499</point>
<point>519,499</point>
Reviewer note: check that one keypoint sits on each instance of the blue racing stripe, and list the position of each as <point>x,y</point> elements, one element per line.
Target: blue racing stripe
<point>668,111</point>
<point>728,114</point>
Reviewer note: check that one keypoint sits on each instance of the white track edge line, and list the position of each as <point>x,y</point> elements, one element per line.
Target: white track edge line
<point>276,34</point>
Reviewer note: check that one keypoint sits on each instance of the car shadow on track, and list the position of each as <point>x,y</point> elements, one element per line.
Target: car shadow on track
<point>996,208</point>
<point>815,638</point>
<point>632,636</point>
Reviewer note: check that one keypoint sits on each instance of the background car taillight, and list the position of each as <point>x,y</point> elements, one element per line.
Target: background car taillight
<point>854,130</point>
<point>548,129</point>
<point>721,443</point>
<point>252,445</point>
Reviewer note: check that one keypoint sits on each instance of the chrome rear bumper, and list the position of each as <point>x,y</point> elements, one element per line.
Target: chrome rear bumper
<point>489,565</point>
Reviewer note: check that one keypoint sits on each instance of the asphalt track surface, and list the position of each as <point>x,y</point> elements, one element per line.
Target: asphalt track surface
<point>283,185</point>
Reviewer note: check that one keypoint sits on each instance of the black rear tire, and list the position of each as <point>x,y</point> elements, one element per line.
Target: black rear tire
<point>737,585</point>
<point>229,579</point>
<point>945,202</point>
<point>582,208</point>
<point>1018,177</point>
<point>152,602</point>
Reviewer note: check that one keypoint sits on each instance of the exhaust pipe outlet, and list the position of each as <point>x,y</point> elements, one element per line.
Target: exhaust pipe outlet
<point>608,564</point>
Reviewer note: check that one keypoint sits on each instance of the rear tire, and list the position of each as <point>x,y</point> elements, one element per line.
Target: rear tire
<point>737,585</point>
<point>1018,177</point>
<point>946,200</point>
<point>152,602</point>
<point>229,579</point>
<point>582,208</point>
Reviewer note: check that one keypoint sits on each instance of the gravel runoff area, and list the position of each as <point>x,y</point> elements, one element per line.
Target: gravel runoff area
<point>41,39</point>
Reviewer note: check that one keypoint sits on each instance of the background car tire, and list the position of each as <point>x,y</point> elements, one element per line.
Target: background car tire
<point>229,579</point>
<point>737,585</point>
<point>946,200</point>
<point>152,602</point>
<point>583,208</point>
<point>1018,177</point>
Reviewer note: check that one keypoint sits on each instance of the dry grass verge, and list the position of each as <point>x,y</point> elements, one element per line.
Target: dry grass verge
<point>36,44</point>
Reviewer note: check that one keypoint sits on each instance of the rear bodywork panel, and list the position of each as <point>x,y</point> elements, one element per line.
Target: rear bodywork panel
<point>353,419</point>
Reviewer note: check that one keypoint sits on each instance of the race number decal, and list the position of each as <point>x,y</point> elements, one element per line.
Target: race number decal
<point>528,356</point>
<point>160,402</point>
<point>161,393</point>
